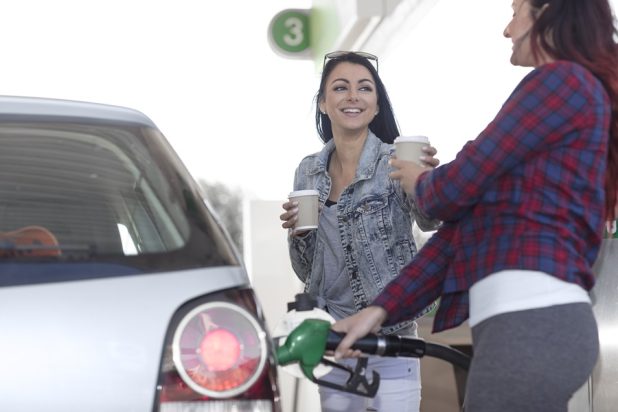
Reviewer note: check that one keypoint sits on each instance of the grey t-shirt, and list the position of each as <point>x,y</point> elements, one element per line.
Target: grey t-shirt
<point>335,286</point>
<point>337,293</point>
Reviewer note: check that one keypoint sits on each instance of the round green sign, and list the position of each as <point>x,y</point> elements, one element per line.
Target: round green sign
<point>289,32</point>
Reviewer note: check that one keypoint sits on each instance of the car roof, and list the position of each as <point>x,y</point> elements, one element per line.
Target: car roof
<point>16,106</point>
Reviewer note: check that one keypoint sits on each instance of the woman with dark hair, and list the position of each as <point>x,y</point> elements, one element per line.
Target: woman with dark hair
<point>364,235</point>
<point>383,124</point>
<point>524,207</point>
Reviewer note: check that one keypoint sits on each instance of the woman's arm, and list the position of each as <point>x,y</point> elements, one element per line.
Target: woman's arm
<point>418,285</point>
<point>424,222</point>
<point>301,245</point>
<point>301,253</point>
<point>550,102</point>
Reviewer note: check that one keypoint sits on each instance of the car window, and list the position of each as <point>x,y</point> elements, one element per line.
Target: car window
<point>93,189</point>
<point>75,192</point>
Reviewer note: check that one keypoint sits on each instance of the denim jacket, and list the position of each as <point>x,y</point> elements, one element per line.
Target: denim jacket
<point>375,219</point>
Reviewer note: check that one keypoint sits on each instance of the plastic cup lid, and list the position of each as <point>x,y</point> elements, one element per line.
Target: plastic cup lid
<point>413,139</point>
<point>309,192</point>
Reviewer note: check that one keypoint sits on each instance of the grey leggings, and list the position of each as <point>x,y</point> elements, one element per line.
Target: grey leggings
<point>531,360</point>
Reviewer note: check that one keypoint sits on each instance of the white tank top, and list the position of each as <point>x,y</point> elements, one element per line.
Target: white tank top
<point>515,290</point>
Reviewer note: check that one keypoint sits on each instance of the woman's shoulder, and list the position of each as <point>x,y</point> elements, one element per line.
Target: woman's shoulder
<point>560,75</point>
<point>312,162</point>
<point>562,69</point>
<point>310,158</point>
<point>386,151</point>
<point>383,149</point>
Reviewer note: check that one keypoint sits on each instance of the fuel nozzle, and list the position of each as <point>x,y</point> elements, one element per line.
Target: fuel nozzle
<point>306,345</point>
<point>307,342</point>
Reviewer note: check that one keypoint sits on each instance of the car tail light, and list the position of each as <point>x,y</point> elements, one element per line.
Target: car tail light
<point>218,358</point>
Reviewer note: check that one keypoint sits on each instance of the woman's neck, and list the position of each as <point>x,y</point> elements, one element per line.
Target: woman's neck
<point>350,142</point>
<point>348,149</point>
<point>344,162</point>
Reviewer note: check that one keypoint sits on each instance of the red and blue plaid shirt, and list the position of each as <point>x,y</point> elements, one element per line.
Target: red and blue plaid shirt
<point>526,194</point>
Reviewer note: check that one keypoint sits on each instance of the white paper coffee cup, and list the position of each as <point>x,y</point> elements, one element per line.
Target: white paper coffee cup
<point>307,209</point>
<point>410,148</point>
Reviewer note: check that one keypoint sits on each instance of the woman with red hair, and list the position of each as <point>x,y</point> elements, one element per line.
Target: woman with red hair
<point>524,207</point>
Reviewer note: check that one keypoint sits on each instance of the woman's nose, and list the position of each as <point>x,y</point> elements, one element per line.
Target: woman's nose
<point>505,33</point>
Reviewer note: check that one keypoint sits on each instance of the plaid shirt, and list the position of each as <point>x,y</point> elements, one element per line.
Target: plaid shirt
<point>526,194</point>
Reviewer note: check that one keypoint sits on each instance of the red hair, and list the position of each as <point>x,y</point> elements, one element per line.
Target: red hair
<point>583,31</point>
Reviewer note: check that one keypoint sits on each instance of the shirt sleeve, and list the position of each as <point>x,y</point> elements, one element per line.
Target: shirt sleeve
<point>548,103</point>
<point>420,282</point>
<point>424,222</point>
<point>301,248</point>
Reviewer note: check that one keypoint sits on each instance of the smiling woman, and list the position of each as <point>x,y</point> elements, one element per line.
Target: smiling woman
<point>364,233</point>
<point>350,103</point>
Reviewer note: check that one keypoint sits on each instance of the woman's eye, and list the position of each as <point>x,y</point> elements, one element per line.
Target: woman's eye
<point>366,89</point>
<point>339,88</point>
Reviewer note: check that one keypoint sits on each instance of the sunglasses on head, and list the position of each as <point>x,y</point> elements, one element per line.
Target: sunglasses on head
<point>373,59</point>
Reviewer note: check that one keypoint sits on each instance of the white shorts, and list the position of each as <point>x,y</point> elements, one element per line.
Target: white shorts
<point>400,388</point>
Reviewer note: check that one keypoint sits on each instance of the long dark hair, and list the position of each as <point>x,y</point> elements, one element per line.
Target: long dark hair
<point>584,31</point>
<point>383,125</point>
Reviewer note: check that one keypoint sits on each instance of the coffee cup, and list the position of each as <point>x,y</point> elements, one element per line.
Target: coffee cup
<point>410,148</point>
<point>307,209</point>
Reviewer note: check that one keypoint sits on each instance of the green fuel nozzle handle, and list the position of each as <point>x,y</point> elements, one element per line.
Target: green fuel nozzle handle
<point>306,345</point>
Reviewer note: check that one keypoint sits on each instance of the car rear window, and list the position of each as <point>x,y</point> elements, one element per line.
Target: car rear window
<point>75,192</point>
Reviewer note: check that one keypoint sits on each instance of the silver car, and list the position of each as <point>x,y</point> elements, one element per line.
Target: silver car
<point>119,289</point>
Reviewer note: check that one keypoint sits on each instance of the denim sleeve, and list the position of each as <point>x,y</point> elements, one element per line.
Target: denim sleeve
<point>301,253</point>
<point>302,248</point>
<point>424,222</point>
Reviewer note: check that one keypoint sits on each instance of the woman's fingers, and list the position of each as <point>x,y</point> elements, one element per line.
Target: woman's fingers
<point>355,327</point>
<point>430,150</point>
<point>290,215</point>
<point>429,159</point>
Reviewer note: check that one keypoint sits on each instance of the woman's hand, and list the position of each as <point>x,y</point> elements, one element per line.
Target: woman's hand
<point>408,172</point>
<point>428,159</point>
<point>368,320</point>
<point>290,216</point>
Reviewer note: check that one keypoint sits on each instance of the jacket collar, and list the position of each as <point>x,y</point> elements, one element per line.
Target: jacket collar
<point>367,163</point>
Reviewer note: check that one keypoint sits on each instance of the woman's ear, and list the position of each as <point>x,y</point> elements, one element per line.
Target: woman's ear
<point>541,10</point>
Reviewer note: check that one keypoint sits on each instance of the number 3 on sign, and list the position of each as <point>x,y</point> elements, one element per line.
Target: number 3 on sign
<point>295,35</point>
<point>288,33</point>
